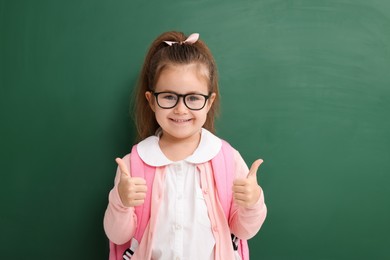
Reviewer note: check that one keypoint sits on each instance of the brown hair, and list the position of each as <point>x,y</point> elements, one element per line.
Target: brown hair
<point>158,57</point>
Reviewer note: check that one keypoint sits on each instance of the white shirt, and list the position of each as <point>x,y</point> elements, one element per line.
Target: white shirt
<point>183,228</point>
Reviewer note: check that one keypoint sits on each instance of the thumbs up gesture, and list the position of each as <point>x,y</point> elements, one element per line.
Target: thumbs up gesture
<point>132,191</point>
<point>246,192</point>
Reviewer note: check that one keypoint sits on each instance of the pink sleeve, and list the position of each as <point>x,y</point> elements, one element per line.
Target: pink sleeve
<point>246,222</point>
<point>119,221</point>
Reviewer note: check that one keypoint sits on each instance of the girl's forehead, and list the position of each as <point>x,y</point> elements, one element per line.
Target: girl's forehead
<point>188,77</point>
<point>195,67</point>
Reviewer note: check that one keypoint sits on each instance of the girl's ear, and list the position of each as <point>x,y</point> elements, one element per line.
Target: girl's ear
<point>150,99</point>
<point>210,101</point>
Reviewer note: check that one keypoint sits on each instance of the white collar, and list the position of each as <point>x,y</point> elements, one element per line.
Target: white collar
<point>150,152</point>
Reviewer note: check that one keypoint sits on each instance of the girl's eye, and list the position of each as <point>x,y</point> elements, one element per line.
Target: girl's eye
<point>193,98</point>
<point>169,97</point>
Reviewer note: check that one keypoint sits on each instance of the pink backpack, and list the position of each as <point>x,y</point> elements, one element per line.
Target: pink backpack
<point>223,162</point>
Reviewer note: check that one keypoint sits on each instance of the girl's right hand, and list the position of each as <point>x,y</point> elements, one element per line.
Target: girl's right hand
<point>132,191</point>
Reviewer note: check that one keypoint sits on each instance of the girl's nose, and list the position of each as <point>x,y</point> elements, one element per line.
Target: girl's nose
<point>180,107</point>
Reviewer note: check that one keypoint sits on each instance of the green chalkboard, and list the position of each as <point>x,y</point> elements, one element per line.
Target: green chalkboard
<point>305,85</point>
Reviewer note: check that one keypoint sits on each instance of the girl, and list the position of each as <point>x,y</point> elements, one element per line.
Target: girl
<point>176,103</point>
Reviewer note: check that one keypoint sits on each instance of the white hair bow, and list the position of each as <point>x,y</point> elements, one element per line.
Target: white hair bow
<point>191,39</point>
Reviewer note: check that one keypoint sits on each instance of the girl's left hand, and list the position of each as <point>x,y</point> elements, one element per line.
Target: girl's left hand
<point>246,192</point>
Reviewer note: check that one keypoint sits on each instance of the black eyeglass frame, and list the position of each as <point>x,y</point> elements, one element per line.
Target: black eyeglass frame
<point>178,99</point>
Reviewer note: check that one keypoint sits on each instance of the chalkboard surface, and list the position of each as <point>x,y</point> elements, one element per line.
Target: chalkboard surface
<point>305,85</point>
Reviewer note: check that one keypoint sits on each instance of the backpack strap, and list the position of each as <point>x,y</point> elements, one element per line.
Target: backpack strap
<point>224,163</point>
<point>137,169</point>
<point>142,170</point>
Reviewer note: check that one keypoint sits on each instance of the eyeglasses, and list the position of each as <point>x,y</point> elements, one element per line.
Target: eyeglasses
<point>169,100</point>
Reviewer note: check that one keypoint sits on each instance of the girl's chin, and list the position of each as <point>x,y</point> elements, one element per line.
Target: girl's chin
<point>181,134</point>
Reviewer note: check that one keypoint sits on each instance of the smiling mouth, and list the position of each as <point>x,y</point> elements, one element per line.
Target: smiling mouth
<point>180,120</point>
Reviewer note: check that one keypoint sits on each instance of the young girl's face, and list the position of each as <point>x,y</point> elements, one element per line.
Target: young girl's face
<point>181,123</point>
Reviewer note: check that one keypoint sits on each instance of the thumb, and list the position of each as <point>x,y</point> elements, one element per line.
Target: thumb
<point>253,170</point>
<point>123,167</point>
